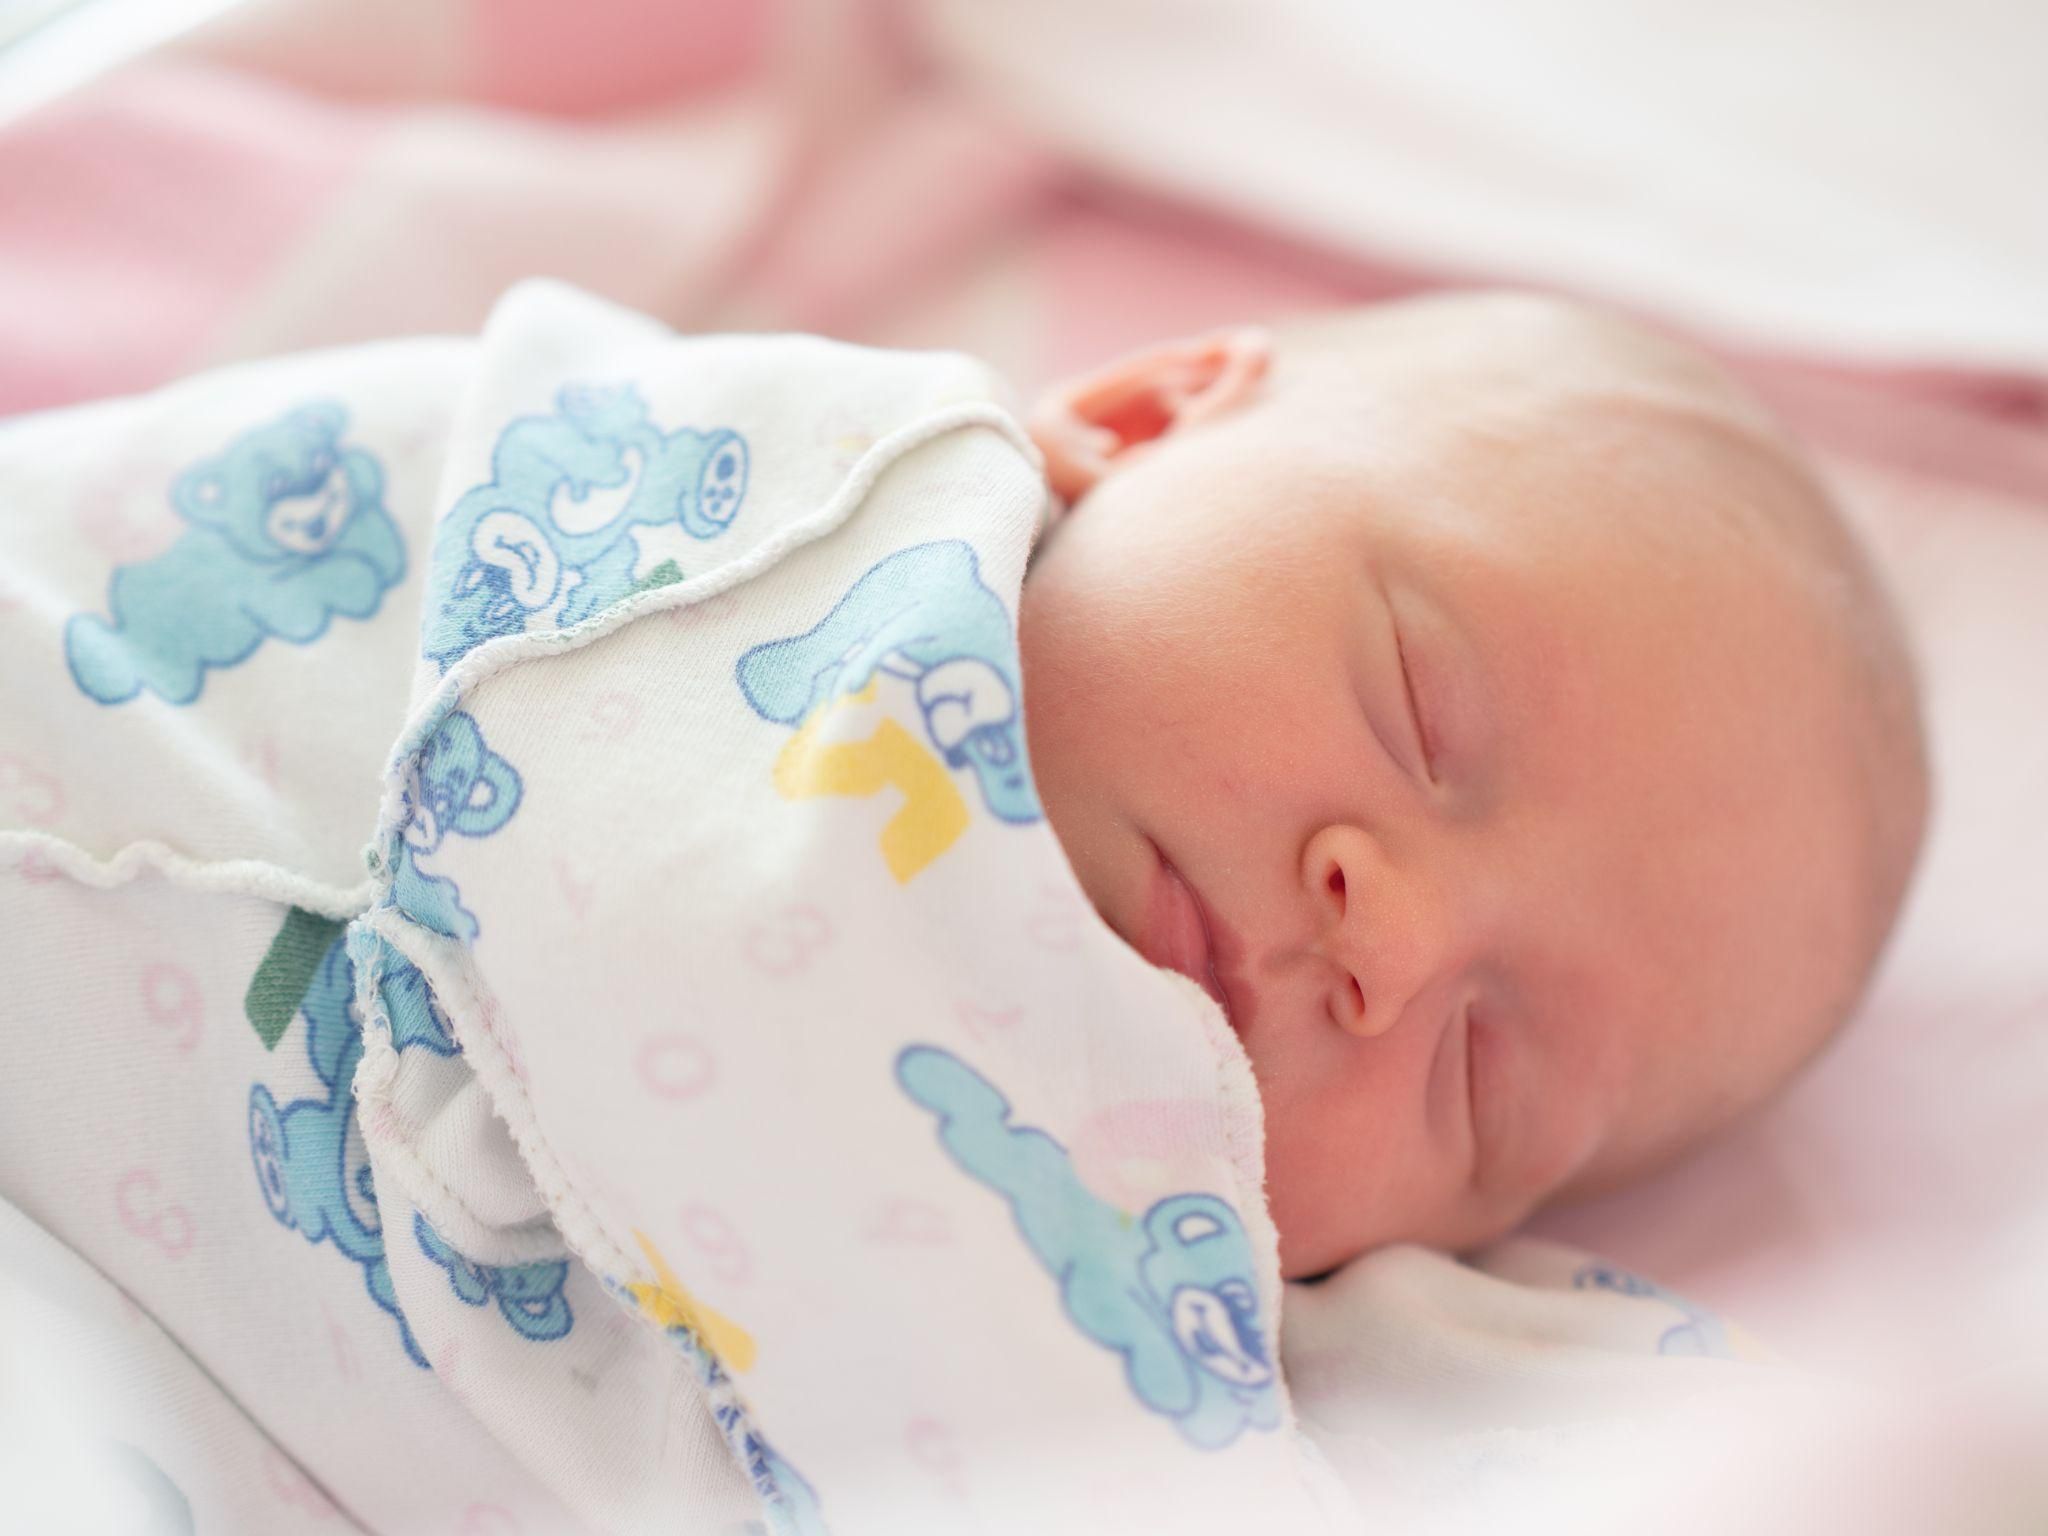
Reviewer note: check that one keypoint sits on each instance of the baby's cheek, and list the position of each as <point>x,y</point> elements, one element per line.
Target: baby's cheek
<point>1332,1195</point>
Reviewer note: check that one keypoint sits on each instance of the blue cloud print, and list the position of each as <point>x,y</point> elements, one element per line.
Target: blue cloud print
<point>502,555</point>
<point>288,529</point>
<point>1174,1292</point>
<point>924,615</point>
<point>454,784</point>
<point>1701,1333</point>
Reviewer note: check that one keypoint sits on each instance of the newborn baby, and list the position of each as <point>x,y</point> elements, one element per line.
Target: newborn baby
<point>1481,700</point>
<point>709,1090</point>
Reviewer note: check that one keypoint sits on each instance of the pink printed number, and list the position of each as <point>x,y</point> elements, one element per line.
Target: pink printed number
<point>983,1024</point>
<point>725,1251</point>
<point>170,1001</point>
<point>38,868</point>
<point>1132,1152</point>
<point>908,1221</point>
<point>675,1067</point>
<point>1056,922</point>
<point>339,1345</point>
<point>165,1225</point>
<point>931,1445</point>
<point>29,794</point>
<point>381,1124</point>
<point>785,944</point>
<point>575,891</point>
<point>612,716</point>
<point>494,1026</point>
<point>261,756</point>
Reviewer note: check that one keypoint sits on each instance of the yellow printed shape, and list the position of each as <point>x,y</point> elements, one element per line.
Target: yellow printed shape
<point>669,1305</point>
<point>933,814</point>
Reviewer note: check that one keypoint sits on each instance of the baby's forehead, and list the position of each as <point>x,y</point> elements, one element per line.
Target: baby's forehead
<point>1560,387</point>
<point>1530,346</point>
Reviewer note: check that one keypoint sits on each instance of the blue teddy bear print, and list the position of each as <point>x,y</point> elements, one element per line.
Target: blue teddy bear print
<point>288,529</point>
<point>1174,1292</point>
<point>410,1012</point>
<point>924,615</point>
<point>529,1296</point>
<point>455,783</point>
<point>1701,1333</point>
<point>538,532</point>
<point>314,1168</point>
<point>311,1162</point>
<point>792,1504</point>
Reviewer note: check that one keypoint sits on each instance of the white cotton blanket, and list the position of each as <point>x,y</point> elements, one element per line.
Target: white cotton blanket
<point>713,1019</point>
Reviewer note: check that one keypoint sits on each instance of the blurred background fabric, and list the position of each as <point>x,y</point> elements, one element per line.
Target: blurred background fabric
<point>1844,200</point>
<point>1838,182</point>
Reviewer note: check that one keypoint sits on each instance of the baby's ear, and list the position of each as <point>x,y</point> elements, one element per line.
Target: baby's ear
<point>1087,427</point>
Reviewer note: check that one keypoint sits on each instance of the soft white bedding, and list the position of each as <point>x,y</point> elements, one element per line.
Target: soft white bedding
<point>1853,179</point>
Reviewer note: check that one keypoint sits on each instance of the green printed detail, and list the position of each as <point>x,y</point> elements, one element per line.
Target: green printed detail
<point>666,574</point>
<point>280,982</point>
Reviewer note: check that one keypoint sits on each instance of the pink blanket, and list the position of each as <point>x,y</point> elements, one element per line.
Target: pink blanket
<point>308,172</point>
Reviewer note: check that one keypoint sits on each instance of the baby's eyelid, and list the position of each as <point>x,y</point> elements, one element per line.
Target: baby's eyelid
<point>1424,744</point>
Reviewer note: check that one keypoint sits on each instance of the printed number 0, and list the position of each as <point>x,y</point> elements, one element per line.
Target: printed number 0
<point>676,1067</point>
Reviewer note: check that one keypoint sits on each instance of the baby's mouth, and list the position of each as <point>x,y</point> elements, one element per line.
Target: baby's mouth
<point>1177,935</point>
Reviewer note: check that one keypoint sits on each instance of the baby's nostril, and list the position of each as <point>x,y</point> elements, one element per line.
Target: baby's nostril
<point>1337,882</point>
<point>1358,992</point>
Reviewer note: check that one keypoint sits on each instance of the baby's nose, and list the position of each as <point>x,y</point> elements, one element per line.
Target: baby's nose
<point>1383,927</point>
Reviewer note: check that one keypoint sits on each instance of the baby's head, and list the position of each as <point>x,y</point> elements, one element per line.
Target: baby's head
<point>1540,748</point>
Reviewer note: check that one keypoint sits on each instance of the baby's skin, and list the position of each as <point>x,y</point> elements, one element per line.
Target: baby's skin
<point>1536,744</point>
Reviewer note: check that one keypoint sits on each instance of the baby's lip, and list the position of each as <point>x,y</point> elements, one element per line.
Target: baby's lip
<point>1181,933</point>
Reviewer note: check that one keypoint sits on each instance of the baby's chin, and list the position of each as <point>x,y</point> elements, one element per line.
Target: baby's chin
<point>1317,1237</point>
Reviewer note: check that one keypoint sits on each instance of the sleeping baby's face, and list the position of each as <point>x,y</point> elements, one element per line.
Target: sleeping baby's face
<point>1482,671</point>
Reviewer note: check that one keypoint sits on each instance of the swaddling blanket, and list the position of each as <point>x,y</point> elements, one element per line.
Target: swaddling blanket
<point>718,1016</point>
